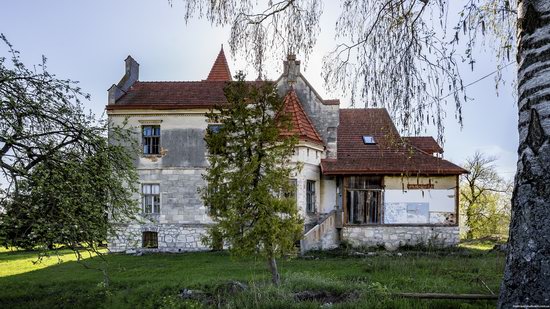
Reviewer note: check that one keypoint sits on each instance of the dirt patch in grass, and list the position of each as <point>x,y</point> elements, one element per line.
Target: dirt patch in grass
<point>326,296</point>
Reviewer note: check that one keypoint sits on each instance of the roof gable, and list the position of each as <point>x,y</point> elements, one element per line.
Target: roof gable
<point>301,124</point>
<point>220,69</point>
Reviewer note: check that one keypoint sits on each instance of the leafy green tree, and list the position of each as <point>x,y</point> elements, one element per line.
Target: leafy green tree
<point>64,182</point>
<point>71,204</point>
<point>484,198</point>
<point>248,175</point>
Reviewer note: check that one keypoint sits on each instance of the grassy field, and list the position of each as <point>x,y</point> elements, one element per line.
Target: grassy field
<point>343,278</point>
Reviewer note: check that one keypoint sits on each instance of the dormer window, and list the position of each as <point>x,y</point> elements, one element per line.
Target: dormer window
<point>368,140</point>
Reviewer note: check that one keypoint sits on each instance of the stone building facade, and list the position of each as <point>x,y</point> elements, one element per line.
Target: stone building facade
<point>361,181</point>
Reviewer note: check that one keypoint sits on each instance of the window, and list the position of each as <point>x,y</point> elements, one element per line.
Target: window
<point>214,128</point>
<point>217,144</point>
<point>294,187</point>
<point>150,240</point>
<point>310,196</point>
<point>363,199</point>
<point>363,206</point>
<point>151,139</point>
<point>151,198</point>
<point>368,140</point>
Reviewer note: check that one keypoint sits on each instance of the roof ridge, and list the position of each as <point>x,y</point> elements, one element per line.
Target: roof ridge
<point>180,81</point>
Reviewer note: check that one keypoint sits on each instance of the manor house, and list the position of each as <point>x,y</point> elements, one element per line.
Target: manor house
<point>361,181</point>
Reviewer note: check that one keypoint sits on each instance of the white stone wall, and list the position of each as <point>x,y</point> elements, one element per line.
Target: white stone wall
<point>395,236</point>
<point>171,238</point>
<point>309,158</point>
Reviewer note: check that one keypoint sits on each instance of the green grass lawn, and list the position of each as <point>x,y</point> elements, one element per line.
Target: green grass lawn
<point>154,280</point>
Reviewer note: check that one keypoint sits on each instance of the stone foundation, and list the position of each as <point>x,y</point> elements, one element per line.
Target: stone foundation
<point>171,238</point>
<point>392,237</point>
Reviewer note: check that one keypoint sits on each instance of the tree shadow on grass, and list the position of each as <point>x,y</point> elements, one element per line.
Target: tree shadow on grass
<point>156,280</point>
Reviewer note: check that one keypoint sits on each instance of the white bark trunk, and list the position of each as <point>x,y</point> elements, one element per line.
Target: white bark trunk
<point>527,275</point>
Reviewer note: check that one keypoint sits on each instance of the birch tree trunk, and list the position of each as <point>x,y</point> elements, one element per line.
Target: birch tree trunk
<point>527,275</point>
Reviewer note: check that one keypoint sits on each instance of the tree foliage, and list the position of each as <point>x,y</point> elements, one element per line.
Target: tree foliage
<point>484,198</point>
<point>248,193</point>
<point>62,178</point>
<point>404,55</point>
<point>71,200</point>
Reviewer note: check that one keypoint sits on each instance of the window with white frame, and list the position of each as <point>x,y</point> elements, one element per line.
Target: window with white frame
<point>151,198</point>
<point>151,139</point>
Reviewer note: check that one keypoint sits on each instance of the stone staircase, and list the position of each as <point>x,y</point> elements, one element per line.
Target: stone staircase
<point>321,236</point>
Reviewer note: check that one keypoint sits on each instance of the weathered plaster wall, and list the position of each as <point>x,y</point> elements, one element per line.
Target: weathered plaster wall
<point>394,236</point>
<point>328,193</point>
<point>437,205</point>
<point>400,183</point>
<point>181,141</point>
<point>308,172</point>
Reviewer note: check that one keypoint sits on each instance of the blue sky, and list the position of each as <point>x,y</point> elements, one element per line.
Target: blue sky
<point>87,41</point>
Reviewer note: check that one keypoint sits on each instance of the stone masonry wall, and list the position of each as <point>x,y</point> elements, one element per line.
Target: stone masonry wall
<point>392,237</point>
<point>179,200</point>
<point>171,238</point>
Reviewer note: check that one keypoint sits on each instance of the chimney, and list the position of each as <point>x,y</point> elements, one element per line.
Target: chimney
<point>291,68</point>
<point>131,75</point>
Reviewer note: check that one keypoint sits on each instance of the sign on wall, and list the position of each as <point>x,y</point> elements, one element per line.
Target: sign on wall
<point>419,206</point>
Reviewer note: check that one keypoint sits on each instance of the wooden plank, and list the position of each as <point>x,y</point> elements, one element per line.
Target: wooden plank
<point>447,296</point>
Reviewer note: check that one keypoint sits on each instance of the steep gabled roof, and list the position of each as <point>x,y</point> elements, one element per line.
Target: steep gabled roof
<point>220,69</point>
<point>301,124</point>
<point>389,154</point>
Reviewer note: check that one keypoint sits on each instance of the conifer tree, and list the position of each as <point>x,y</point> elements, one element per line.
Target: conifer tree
<point>248,193</point>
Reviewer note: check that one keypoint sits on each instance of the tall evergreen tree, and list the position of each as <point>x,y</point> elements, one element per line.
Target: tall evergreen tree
<point>248,190</point>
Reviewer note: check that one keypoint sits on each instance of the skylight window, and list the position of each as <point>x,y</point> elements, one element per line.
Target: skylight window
<point>368,140</point>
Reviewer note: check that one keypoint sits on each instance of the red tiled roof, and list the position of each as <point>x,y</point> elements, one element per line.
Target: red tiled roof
<point>390,155</point>
<point>220,69</point>
<point>301,125</point>
<point>170,95</point>
<point>424,143</point>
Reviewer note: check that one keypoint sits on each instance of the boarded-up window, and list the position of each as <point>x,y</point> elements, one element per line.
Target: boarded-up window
<point>363,199</point>
<point>364,206</point>
<point>150,240</point>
